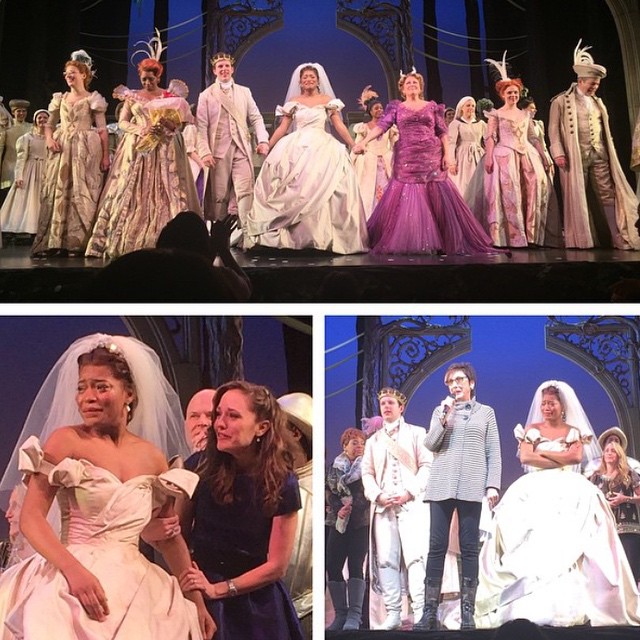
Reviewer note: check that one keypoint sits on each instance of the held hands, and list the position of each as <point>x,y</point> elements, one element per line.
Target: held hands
<point>492,497</point>
<point>263,148</point>
<point>345,511</point>
<point>54,146</point>
<point>192,579</point>
<point>358,148</point>
<point>209,161</point>
<point>159,529</point>
<point>616,499</point>
<point>88,590</point>
<point>19,184</point>
<point>562,162</point>
<point>488,166</point>
<point>392,500</point>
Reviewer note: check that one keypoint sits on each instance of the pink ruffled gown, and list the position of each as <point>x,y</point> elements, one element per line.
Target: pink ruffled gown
<point>421,210</point>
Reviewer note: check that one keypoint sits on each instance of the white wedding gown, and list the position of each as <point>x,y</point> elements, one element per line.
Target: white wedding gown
<point>101,521</point>
<point>306,195</point>
<point>554,556</point>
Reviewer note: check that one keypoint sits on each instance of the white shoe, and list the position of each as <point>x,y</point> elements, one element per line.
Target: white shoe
<point>392,621</point>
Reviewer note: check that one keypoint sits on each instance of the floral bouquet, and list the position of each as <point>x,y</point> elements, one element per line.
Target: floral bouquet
<point>152,139</point>
<point>171,110</point>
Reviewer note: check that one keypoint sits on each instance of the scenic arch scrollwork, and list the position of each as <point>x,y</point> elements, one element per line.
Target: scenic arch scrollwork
<point>608,348</point>
<point>404,352</point>
<point>384,26</point>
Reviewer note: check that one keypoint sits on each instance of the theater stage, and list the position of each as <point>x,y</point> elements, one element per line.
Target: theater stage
<point>529,275</point>
<point>550,633</point>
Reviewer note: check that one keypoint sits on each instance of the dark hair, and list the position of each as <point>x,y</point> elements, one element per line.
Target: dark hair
<point>309,67</point>
<point>552,390</point>
<point>274,462</point>
<point>187,232</point>
<point>113,359</point>
<point>468,371</point>
<point>152,65</point>
<point>525,101</point>
<point>519,628</point>
<point>350,434</point>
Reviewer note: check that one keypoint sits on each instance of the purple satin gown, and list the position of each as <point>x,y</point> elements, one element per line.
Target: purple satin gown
<point>421,210</point>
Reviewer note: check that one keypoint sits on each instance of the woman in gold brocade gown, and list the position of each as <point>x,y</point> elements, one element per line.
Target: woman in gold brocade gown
<point>150,181</point>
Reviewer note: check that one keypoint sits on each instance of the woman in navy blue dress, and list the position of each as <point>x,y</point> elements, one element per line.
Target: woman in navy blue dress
<point>241,521</point>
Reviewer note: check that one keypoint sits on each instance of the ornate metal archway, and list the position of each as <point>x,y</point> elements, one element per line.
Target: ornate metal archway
<point>608,347</point>
<point>404,352</point>
<point>195,351</point>
<point>384,26</point>
<point>235,26</point>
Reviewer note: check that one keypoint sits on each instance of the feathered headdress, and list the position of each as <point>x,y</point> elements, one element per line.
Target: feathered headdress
<point>583,63</point>
<point>152,48</point>
<point>500,67</point>
<point>368,98</point>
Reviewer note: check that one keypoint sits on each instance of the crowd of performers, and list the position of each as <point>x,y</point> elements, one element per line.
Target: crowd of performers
<point>412,181</point>
<point>408,506</point>
<point>110,540</point>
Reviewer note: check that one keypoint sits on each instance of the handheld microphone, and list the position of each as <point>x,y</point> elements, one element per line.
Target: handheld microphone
<point>447,404</point>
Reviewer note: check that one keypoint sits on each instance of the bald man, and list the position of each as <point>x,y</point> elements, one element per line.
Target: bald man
<point>198,418</point>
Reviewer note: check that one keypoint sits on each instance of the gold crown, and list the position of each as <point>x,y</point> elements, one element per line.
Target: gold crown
<point>394,393</point>
<point>222,56</point>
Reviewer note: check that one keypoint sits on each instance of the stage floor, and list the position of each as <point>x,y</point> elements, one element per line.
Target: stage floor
<point>529,275</point>
<point>550,633</point>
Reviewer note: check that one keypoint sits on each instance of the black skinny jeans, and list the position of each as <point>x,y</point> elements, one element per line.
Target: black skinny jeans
<point>468,524</point>
<point>352,546</point>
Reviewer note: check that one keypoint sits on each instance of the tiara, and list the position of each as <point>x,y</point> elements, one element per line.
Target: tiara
<point>403,75</point>
<point>394,393</point>
<point>222,56</point>
<point>110,346</point>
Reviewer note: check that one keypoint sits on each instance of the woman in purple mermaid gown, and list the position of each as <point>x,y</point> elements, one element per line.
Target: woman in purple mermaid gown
<point>421,210</point>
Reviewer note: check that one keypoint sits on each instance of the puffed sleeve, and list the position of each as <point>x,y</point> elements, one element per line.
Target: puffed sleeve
<point>97,103</point>
<point>68,473</point>
<point>288,109</point>
<point>389,117</point>
<point>56,101</point>
<point>492,125</point>
<point>440,127</point>
<point>31,457</point>
<point>54,110</point>
<point>290,500</point>
<point>334,105</point>
<point>174,483</point>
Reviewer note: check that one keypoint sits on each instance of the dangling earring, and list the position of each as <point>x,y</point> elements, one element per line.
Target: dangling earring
<point>563,415</point>
<point>128,407</point>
